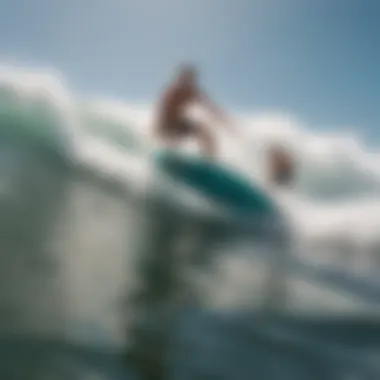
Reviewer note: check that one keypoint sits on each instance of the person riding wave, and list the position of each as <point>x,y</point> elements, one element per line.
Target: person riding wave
<point>173,125</point>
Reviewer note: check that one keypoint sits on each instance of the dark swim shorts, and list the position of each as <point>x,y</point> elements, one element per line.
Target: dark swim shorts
<point>284,177</point>
<point>182,127</point>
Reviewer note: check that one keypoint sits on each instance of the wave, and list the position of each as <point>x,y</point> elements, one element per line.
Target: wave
<point>338,186</point>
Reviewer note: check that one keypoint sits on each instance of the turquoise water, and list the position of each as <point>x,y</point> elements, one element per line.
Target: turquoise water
<point>101,278</point>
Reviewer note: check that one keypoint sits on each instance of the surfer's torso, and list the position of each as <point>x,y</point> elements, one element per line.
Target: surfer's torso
<point>173,105</point>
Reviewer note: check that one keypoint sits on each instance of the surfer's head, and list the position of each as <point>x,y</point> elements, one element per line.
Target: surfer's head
<point>281,166</point>
<point>187,74</point>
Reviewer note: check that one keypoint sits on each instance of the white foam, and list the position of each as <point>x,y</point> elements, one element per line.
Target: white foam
<point>337,192</point>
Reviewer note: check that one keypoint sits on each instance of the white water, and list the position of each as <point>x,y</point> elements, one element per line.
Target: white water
<point>334,208</point>
<point>335,200</point>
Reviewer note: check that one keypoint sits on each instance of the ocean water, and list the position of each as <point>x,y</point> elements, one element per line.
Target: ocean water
<point>108,273</point>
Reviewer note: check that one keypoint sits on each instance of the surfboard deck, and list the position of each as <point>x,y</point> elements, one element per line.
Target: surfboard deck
<point>214,181</point>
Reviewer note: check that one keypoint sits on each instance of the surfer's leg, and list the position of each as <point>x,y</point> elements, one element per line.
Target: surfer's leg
<point>184,128</point>
<point>206,140</point>
<point>167,137</point>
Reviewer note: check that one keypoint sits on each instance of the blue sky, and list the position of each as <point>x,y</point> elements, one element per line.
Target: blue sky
<point>318,59</point>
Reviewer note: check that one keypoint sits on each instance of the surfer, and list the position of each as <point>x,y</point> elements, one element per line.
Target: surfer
<point>173,124</point>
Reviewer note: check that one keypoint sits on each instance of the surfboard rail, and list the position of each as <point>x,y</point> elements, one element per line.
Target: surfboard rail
<point>216,182</point>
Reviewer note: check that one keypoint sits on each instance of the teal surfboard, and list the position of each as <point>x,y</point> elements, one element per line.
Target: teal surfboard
<point>214,181</point>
